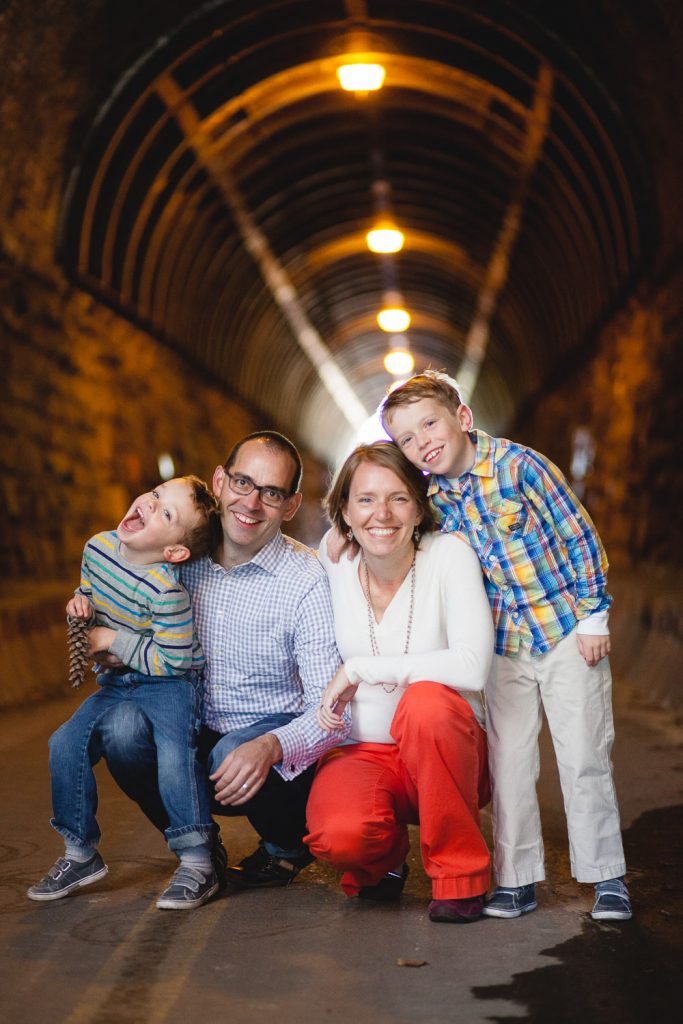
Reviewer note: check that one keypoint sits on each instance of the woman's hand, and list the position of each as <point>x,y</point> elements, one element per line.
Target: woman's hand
<point>338,694</point>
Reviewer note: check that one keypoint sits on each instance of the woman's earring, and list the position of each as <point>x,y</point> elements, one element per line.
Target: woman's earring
<point>416,535</point>
<point>349,534</point>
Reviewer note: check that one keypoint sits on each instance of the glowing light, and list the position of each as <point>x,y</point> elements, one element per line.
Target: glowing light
<point>394,320</point>
<point>166,466</point>
<point>385,239</point>
<point>398,362</point>
<point>361,77</point>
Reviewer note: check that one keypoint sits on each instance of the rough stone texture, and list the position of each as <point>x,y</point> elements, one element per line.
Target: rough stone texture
<point>647,634</point>
<point>88,400</point>
<point>628,396</point>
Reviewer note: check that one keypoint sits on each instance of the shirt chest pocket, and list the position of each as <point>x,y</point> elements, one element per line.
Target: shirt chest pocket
<point>511,519</point>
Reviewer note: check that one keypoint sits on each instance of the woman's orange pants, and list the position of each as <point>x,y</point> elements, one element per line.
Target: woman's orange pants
<point>365,795</point>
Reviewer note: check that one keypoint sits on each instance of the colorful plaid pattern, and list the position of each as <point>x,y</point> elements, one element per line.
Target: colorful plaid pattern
<point>146,605</point>
<point>544,564</point>
<point>267,631</point>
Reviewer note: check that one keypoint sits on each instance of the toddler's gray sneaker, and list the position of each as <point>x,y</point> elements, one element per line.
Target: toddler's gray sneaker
<point>189,888</point>
<point>66,875</point>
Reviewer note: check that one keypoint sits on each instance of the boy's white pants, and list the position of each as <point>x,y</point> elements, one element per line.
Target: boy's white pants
<point>578,705</point>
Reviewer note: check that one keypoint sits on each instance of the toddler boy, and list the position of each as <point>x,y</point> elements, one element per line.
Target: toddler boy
<point>142,616</point>
<point>545,573</point>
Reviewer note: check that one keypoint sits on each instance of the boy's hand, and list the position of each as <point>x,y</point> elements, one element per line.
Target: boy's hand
<point>335,698</point>
<point>79,607</point>
<point>101,639</point>
<point>337,543</point>
<point>593,648</point>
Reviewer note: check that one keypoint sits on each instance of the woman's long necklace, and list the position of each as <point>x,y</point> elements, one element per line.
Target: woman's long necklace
<point>374,646</point>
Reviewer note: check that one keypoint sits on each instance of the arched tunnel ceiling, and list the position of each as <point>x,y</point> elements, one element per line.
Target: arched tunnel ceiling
<point>226,187</point>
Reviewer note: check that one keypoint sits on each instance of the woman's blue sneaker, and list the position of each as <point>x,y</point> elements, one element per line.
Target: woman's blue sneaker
<point>612,902</point>
<point>507,901</point>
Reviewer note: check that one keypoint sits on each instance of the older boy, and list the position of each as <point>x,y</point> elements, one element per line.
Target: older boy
<point>141,614</point>
<point>545,573</point>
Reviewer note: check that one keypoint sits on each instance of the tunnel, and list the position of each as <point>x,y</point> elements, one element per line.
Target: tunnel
<point>186,193</point>
<point>186,196</point>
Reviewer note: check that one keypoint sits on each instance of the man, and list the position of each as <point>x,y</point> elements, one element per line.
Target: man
<point>263,615</point>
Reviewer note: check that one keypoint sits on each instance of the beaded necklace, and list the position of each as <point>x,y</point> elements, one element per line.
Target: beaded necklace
<point>374,646</point>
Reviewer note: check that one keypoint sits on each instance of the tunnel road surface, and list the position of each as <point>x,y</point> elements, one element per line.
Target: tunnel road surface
<point>307,952</point>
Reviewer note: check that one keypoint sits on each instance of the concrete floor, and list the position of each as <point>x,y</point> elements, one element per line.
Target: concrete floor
<point>107,955</point>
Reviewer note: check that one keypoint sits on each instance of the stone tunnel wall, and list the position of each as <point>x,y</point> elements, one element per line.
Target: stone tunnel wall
<point>625,398</point>
<point>88,400</point>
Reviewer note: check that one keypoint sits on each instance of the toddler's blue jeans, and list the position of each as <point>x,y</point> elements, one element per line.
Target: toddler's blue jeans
<point>172,707</point>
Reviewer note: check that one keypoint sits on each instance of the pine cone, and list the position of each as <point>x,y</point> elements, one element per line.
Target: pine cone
<point>77,636</point>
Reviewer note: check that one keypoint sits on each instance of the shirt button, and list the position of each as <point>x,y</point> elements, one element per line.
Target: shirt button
<point>292,767</point>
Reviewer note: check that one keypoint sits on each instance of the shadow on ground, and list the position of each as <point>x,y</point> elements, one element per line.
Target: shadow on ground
<point>617,973</point>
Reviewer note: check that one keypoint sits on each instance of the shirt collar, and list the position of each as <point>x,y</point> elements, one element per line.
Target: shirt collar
<point>267,558</point>
<point>484,463</point>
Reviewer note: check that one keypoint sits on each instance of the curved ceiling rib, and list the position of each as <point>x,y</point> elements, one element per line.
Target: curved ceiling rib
<point>225,189</point>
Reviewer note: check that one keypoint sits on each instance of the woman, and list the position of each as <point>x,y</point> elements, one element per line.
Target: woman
<point>414,628</point>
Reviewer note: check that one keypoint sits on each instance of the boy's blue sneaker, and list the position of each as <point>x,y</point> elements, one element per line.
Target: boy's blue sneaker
<point>508,901</point>
<point>66,875</point>
<point>612,901</point>
<point>189,888</point>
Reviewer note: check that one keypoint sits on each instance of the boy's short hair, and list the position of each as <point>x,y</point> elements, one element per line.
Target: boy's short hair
<point>388,455</point>
<point>204,535</point>
<point>271,439</point>
<point>429,384</point>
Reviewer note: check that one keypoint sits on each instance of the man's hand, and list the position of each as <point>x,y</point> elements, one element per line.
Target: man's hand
<point>337,543</point>
<point>338,694</point>
<point>593,648</point>
<point>79,607</point>
<point>244,771</point>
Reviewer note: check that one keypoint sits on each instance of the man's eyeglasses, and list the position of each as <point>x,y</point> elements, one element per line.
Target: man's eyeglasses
<point>274,497</point>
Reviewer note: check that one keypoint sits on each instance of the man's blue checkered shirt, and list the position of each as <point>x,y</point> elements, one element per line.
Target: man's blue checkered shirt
<point>267,631</point>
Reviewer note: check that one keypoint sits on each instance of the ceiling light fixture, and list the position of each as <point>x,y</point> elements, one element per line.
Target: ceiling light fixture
<point>399,362</point>
<point>385,238</point>
<point>393,319</point>
<point>361,77</point>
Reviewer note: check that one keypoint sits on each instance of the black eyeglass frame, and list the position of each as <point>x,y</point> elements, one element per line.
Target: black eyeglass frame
<point>284,495</point>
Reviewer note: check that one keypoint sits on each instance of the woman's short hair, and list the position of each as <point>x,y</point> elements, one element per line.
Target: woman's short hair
<point>386,454</point>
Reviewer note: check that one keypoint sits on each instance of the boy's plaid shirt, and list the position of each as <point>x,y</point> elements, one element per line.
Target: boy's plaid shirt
<point>544,564</point>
